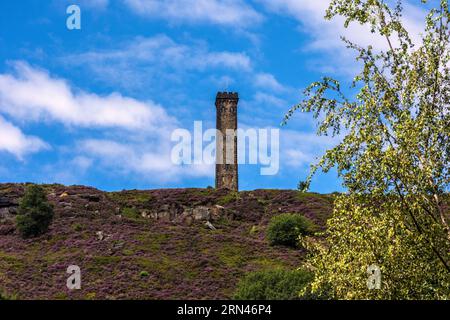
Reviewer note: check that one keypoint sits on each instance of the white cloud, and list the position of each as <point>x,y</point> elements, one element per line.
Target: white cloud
<point>164,51</point>
<point>32,95</point>
<point>268,101</point>
<point>150,162</point>
<point>268,81</point>
<point>141,60</point>
<point>233,60</point>
<point>137,133</point>
<point>14,141</point>
<point>301,149</point>
<point>105,148</point>
<point>325,35</point>
<point>81,163</point>
<point>234,13</point>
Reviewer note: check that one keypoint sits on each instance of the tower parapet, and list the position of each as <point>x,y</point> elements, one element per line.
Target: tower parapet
<point>227,96</point>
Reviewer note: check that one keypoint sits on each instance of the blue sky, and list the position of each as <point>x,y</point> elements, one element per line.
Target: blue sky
<point>97,106</point>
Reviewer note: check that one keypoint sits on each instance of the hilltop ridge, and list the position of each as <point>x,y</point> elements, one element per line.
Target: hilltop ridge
<point>149,244</point>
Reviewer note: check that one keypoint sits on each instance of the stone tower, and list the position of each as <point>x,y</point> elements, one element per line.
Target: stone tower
<point>226,142</point>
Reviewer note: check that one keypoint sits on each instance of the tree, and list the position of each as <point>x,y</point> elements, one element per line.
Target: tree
<point>286,229</point>
<point>302,186</point>
<point>393,159</point>
<point>278,284</point>
<point>35,212</point>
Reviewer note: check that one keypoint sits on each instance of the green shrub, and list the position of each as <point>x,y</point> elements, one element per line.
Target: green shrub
<point>228,198</point>
<point>35,213</point>
<point>286,228</point>
<point>144,274</point>
<point>77,227</point>
<point>303,186</point>
<point>278,284</point>
<point>131,213</point>
<point>5,296</point>
<point>91,296</point>
<point>254,230</point>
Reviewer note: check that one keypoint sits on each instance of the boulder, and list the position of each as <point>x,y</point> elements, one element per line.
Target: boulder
<point>164,215</point>
<point>6,203</point>
<point>100,235</point>
<point>210,225</point>
<point>217,212</point>
<point>90,197</point>
<point>201,213</point>
<point>7,214</point>
<point>7,229</point>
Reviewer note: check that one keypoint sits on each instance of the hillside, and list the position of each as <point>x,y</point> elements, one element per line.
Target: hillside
<point>152,244</point>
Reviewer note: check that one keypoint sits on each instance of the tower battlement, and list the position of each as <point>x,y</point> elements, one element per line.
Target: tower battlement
<point>227,96</point>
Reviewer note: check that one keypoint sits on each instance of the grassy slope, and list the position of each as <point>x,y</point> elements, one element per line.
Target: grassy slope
<point>148,259</point>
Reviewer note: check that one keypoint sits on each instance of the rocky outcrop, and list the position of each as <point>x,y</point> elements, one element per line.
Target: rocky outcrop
<point>179,213</point>
<point>8,208</point>
<point>185,206</point>
<point>7,202</point>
